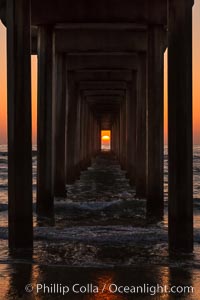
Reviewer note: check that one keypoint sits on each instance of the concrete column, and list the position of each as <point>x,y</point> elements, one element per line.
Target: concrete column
<point>45,181</point>
<point>87,128</point>
<point>93,132</point>
<point>180,125</point>
<point>123,135</point>
<point>78,137</point>
<point>132,87</point>
<point>60,127</point>
<point>126,132</point>
<point>118,136</point>
<point>130,120</point>
<point>141,128</point>
<point>71,128</point>
<point>98,136</point>
<point>155,121</point>
<point>83,134</point>
<point>19,125</point>
<point>95,135</point>
<point>82,124</point>
<point>89,135</point>
<point>113,140</point>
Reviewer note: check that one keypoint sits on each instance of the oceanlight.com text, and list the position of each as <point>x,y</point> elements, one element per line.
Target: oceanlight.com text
<point>76,288</point>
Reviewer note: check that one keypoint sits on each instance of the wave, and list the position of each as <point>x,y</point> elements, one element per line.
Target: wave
<point>5,153</point>
<point>3,207</point>
<point>3,186</point>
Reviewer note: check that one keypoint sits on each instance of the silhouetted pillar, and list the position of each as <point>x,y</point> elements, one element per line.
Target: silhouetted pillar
<point>180,125</point>
<point>155,121</point>
<point>78,138</point>
<point>113,140</point>
<point>87,128</point>
<point>19,125</point>
<point>71,129</point>
<point>123,140</point>
<point>92,134</point>
<point>132,128</point>
<point>89,134</point>
<point>141,128</point>
<point>60,127</point>
<point>45,122</point>
<point>83,133</point>
<point>82,127</point>
<point>96,135</point>
<point>125,134</point>
<point>128,132</point>
<point>120,134</point>
<point>89,140</point>
<point>117,136</point>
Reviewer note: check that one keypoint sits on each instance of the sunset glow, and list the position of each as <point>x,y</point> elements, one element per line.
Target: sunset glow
<point>105,139</point>
<point>196,85</point>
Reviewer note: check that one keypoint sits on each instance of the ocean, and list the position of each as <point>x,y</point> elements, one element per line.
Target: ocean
<point>4,178</point>
<point>99,234</point>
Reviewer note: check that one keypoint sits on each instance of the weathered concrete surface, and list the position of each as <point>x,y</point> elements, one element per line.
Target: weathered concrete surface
<point>99,40</point>
<point>105,60</point>
<point>131,133</point>
<point>180,126</point>
<point>99,84</point>
<point>72,120</point>
<point>45,134</point>
<point>19,125</point>
<point>141,128</point>
<point>155,120</point>
<point>60,11</point>
<point>60,127</point>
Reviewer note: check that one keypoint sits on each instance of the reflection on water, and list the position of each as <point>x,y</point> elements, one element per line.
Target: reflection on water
<point>14,278</point>
<point>18,279</point>
<point>104,283</point>
<point>4,281</point>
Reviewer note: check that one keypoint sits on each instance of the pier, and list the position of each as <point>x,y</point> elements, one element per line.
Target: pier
<point>100,67</point>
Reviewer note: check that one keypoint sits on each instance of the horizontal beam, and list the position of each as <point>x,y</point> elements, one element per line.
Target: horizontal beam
<point>105,85</point>
<point>103,75</point>
<point>104,99</point>
<point>104,92</point>
<point>107,26</point>
<point>102,60</point>
<point>84,40</point>
<point>62,11</point>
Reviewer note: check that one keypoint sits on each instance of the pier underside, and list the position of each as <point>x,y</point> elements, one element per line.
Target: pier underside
<point>100,68</point>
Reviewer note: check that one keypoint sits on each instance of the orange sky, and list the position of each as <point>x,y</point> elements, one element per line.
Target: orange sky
<point>196,82</point>
<point>105,136</point>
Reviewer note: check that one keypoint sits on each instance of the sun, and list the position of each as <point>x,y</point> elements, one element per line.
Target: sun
<point>105,138</point>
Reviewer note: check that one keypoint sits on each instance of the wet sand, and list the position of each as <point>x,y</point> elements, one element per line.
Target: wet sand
<point>15,277</point>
